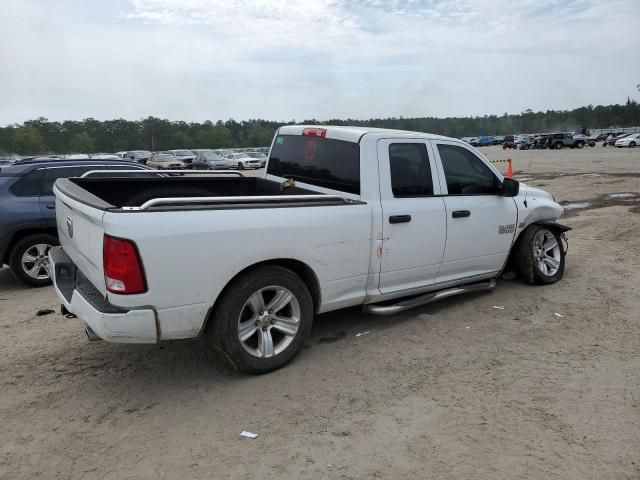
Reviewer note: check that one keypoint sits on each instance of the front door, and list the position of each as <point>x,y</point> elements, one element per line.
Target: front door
<point>481,223</point>
<point>414,222</point>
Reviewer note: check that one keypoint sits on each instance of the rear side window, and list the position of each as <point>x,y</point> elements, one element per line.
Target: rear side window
<point>52,174</point>
<point>324,162</point>
<point>410,170</point>
<point>465,173</point>
<point>29,185</point>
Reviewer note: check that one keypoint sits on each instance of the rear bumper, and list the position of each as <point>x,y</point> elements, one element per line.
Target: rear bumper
<point>81,298</point>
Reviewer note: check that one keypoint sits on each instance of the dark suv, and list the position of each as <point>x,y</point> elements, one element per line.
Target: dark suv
<point>27,211</point>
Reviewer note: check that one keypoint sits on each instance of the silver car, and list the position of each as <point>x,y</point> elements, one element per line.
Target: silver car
<point>242,161</point>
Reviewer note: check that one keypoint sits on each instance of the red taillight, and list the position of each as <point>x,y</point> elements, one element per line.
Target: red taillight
<point>123,272</point>
<point>315,132</point>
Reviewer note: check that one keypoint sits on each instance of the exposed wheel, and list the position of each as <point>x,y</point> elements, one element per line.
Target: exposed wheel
<point>29,259</point>
<point>632,144</point>
<point>262,320</point>
<point>540,257</point>
<point>240,166</point>
<point>580,144</point>
<point>558,145</point>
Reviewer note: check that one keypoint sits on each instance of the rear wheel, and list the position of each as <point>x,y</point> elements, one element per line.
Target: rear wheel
<point>240,166</point>
<point>29,259</point>
<point>558,145</point>
<point>262,320</point>
<point>540,257</point>
<point>580,144</point>
<point>632,144</point>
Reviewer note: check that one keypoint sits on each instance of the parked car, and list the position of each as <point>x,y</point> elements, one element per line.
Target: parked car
<point>27,212</point>
<point>614,138</point>
<point>185,156</point>
<point>242,161</point>
<point>260,156</point>
<point>566,139</point>
<point>165,161</point>
<point>508,144</point>
<point>343,216</point>
<point>140,156</point>
<point>211,161</point>
<point>628,141</point>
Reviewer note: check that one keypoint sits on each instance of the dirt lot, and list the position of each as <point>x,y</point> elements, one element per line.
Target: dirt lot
<point>457,389</point>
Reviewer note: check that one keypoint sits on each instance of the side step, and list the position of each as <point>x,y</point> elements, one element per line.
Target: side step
<point>406,304</point>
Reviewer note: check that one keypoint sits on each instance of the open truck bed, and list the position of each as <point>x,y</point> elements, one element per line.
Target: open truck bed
<point>184,190</point>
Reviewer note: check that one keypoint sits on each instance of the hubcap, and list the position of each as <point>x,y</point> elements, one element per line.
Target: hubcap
<point>269,321</point>
<point>35,261</point>
<point>546,252</point>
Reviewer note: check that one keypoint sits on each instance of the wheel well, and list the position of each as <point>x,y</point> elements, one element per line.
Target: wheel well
<point>20,234</point>
<point>305,272</point>
<point>553,226</point>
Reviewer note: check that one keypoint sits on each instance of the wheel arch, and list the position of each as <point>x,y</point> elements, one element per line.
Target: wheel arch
<point>550,224</point>
<point>21,233</point>
<point>304,271</point>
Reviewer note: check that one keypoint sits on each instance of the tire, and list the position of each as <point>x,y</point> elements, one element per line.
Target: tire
<point>632,145</point>
<point>580,144</point>
<point>238,310</point>
<point>34,273</point>
<point>558,146</point>
<point>528,257</point>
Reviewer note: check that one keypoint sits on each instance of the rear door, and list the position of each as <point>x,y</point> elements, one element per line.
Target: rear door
<point>414,222</point>
<point>480,222</point>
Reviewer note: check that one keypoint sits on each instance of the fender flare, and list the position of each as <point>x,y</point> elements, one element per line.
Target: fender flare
<point>553,225</point>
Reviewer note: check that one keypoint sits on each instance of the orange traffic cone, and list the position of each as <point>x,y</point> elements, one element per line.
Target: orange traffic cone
<point>509,170</point>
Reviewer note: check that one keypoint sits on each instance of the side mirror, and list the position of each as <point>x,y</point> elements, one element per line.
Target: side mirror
<point>510,187</point>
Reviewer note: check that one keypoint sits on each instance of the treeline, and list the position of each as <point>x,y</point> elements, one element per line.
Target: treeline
<point>42,136</point>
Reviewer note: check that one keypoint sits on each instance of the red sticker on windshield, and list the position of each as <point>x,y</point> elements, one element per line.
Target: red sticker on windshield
<point>310,152</point>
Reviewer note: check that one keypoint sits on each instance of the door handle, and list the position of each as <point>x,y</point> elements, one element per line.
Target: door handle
<point>399,218</point>
<point>51,207</point>
<point>460,213</point>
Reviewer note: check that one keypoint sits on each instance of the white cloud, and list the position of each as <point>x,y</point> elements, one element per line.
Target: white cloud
<point>277,59</point>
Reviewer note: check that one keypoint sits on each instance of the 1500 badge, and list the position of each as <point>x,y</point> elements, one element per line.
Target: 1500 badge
<point>506,228</point>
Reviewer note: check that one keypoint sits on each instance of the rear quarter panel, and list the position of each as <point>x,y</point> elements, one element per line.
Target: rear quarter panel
<point>190,256</point>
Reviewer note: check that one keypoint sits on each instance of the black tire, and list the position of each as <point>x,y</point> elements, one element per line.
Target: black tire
<point>580,144</point>
<point>18,250</point>
<point>240,166</point>
<point>558,146</point>
<point>223,332</point>
<point>632,144</point>
<point>525,261</point>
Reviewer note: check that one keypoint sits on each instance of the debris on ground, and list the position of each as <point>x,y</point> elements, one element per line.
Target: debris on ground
<point>248,434</point>
<point>559,315</point>
<point>44,311</point>
<point>361,333</point>
<point>498,307</point>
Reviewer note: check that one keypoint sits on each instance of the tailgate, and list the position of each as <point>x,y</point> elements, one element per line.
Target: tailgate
<point>81,233</point>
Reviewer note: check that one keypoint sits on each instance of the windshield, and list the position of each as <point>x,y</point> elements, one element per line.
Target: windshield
<point>323,162</point>
<point>164,158</point>
<point>256,155</point>
<point>211,156</point>
<point>183,153</point>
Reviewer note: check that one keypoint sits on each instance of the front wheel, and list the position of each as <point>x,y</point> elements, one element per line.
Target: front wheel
<point>580,144</point>
<point>262,320</point>
<point>29,259</point>
<point>240,166</point>
<point>559,146</point>
<point>632,144</point>
<point>540,256</point>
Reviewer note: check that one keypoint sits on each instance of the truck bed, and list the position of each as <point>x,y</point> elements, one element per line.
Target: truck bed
<point>126,192</point>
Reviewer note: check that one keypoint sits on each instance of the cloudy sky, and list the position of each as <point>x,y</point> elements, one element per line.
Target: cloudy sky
<point>282,59</point>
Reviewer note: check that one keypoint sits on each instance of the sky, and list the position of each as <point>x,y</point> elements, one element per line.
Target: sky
<point>282,60</point>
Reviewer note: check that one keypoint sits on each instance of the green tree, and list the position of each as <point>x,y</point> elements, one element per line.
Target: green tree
<point>28,141</point>
<point>82,143</point>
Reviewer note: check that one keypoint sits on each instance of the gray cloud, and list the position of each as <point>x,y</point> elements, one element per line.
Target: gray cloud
<point>276,59</point>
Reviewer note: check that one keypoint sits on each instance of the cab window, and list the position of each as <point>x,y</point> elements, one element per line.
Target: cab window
<point>465,173</point>
<point>410,170</point>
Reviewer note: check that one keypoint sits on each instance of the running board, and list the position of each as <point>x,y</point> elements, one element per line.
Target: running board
<point>406,304</point>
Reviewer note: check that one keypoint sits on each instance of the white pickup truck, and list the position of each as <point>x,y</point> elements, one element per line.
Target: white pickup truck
<point>343,216</point>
